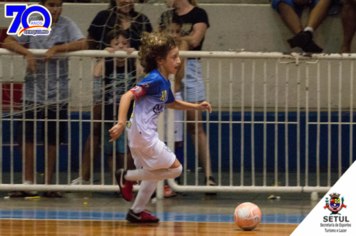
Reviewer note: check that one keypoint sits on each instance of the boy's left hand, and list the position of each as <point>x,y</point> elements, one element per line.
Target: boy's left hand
<point>116,131</point>
<point>205,106</point>
<point>49,54</point>
<point>130,50</point>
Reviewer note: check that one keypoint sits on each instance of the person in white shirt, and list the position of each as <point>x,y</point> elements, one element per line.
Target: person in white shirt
<point>46,91</point>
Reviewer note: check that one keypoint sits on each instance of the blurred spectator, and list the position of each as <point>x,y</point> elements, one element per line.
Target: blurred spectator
<point>194,26</point>
<point>173,27</point>
<point>116,81</point>
<point>122,16</point>
<point>349,24</point>
<point>291,11</point>
<point>41,89</point>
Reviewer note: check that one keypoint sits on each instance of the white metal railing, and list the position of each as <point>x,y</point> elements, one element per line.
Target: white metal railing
<point>312,87</point>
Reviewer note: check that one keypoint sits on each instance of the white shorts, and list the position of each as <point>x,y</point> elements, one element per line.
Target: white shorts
<point>158,156</point>
<point>178,126</point>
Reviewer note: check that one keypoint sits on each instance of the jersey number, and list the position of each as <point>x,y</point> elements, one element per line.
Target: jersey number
<point>164,95</point>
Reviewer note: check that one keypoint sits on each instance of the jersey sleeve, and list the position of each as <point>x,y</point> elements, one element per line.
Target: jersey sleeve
<point>171,97</point>
<point>150,85</point>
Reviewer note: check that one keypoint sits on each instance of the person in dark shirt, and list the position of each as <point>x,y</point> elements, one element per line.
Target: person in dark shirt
<point>121,16</point>
<point>195,23</point>
<point>117,81</point>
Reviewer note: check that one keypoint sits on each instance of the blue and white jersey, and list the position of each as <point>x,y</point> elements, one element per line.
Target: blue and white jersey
<point>142,127</point>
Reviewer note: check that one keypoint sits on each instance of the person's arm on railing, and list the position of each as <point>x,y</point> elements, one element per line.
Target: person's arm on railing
<point>11,44</point>
<point>68,47</point>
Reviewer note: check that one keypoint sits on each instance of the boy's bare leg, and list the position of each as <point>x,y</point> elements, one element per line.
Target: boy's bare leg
<point>52,156</point>
<point>86,155</point>
<point>29,159</point>
<point>96,144</point>
<point>290,18</point>
<point>302,39</point>
<point>203,148</point>
<point>51,164</point>
<point>318,14</point>
<point>348,17</point>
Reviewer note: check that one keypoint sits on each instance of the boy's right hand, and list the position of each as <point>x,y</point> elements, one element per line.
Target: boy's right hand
<point>31,62</point>
<point>116,131</point>
<point>109,49</point>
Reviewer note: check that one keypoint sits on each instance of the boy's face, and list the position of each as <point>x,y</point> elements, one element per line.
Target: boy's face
<point>172,61</point>
<point>125,6</point>
<point>55,8</point>
<point>174,31</point>
<point>120,44</point>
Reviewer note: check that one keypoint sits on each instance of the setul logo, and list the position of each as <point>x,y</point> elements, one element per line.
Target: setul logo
<point>335,222</point>
<point>335,205</point>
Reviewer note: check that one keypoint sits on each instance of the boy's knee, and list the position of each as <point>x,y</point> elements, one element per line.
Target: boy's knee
<point>192,129</point>
<point>279,5</point>
<point>180,169</point>
<point>176,171</point>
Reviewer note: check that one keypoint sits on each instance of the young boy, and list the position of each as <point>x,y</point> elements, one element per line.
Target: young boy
<point>153,159</point>
<point>65,36</point>
<point>118,41</point>
<point>173,27</point>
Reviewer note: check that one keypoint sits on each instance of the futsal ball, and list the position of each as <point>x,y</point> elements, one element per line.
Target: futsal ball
<point>247,216</point>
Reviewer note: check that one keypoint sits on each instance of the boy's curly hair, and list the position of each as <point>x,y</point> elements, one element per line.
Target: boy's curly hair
<point>154,45</point>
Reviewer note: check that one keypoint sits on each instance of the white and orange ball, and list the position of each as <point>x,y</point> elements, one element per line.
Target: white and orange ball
<point>247,216</point>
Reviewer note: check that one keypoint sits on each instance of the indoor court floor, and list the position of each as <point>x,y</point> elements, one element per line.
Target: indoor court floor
<point>86,213</point>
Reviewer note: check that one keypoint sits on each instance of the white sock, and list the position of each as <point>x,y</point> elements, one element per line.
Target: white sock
<point>309,29</point>
<point>144,194</point>
<point>153,175</point>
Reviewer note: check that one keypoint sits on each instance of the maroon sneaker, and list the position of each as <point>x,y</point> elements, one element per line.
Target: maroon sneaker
<point>143,217</point>
<point>126,187</point>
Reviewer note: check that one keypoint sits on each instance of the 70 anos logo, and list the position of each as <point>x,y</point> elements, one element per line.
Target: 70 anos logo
<point>20,24</point>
